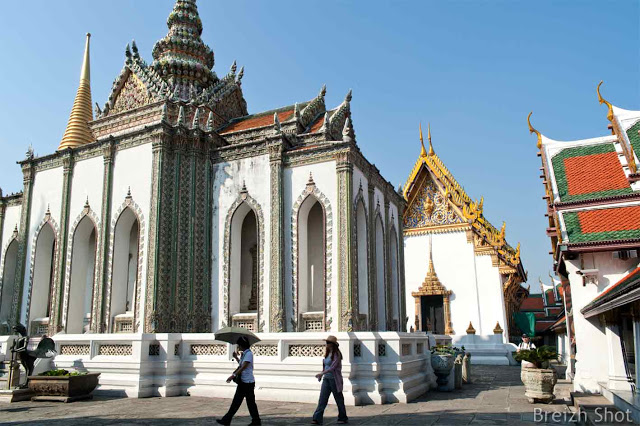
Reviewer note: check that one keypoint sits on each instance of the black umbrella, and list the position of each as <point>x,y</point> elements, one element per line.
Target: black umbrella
<point>232,334</point>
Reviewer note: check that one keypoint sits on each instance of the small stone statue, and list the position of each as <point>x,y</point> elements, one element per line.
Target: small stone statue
<point>458,372</point>
<point>466,368</point>
<point>46,349</point>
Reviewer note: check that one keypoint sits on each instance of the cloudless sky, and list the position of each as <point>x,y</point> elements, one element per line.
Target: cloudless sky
<point>473,69</point>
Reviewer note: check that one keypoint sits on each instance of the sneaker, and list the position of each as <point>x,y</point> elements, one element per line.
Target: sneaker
<point>222,423</point>
<point>343,422</point>
<point>314,422</point>
<point>254,423</point>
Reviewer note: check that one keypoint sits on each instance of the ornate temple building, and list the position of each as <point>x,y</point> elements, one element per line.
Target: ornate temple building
<point>172,209</point>
<point>462,277</point>
<point>592,193</point>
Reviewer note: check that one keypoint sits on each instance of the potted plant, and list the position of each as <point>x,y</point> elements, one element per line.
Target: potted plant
<point>62,385</point>
<point>442,358</point>
<point>538,379</point>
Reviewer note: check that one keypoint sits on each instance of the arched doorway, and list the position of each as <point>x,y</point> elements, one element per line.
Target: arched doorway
<point>124,280</point>
<point>8,282</point>
<point>43,271</point>
<point>83,261</point>
<point>432,301</point>
<point>311,265</point>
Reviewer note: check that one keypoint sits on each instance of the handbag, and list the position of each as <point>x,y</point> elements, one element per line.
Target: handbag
<point>237,379</point>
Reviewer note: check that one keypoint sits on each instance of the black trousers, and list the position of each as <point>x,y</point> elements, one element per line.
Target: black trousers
<point>244,390</point>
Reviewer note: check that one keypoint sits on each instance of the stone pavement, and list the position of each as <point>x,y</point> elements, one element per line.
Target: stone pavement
<point>495,398</point>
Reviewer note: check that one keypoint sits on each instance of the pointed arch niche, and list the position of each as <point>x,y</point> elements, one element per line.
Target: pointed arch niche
<point>427,296</point>
<point>311,246</point>
<point>244,264</point>
<point>81,272</point>
<point>43,260</point>
<point>362,260</point>
<point>380,272</point>
<point>7,279</point>
<point>125,268</point>
<point>395,281</point>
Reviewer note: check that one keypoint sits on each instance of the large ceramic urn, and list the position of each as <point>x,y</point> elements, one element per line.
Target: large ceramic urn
<point>442,363</point>
<point>539,384</point>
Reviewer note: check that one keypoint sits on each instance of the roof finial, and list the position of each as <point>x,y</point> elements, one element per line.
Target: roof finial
<point>423,152</point>
<point>348,135</point>
<point>532,130</point>
<point>78,132</point>
<point>210,122</point>
<point>603,101</point>
<point>429,137</point>
<point>276,123</point>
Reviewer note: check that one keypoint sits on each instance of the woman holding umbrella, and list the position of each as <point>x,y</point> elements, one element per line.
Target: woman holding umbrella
<point>243,376</point>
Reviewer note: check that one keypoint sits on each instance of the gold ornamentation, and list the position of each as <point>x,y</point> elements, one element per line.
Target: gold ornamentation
<point>532,130</point>
<point>497,329</point>
<point>602,100</point>
<point>470,329</point>
<point>133,94</point>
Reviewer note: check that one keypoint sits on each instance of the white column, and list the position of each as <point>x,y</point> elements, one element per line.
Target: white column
<point>617,375</point>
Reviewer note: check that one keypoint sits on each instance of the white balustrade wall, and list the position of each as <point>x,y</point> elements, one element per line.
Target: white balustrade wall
<point>378,367</point>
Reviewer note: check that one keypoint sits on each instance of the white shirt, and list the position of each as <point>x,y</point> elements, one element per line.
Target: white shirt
<point>247,374</point>
<point>524,345</point>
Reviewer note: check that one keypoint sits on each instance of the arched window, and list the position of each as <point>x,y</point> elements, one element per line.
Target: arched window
<point>125,272</point>
<point>311,264</point>
<point>83,261</point>
<point>43,269</point>
<point>395,289</point>
<point>8,281</point>
<point>380,276</point>
<point>363,262</point>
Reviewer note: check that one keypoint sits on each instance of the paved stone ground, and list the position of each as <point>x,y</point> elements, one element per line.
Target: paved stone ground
<point>495,398</point>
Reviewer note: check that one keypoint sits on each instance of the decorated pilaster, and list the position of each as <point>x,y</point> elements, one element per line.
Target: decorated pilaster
<point>55,320</point>
<point>27,179</point>
<point>404,320</point>
<point>277,304</point>
<point>344,169</point>
<point>98,323</point>
<point>387,267</point>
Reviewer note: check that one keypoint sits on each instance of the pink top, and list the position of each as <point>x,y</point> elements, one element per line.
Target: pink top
<point>336,369</point>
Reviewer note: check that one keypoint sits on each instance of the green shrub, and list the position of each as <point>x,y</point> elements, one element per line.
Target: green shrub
<point>537,356</point>
<point>61,373</point>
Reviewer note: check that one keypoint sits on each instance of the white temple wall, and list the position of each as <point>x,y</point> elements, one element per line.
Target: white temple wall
<point>592,366</point>
<point>491,306</point>
<point>11,221</point>
<point>453,260</point>
<point>378,197</point>
<point>46,194</point>
<point>132,170</point>
<point>228,179</point>
<point>8,260</point>
<point>86,183</point>
<point>295,182</point>
<point>360,178</point>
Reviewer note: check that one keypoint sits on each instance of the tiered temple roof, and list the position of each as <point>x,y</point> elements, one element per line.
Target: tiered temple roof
<point>423,213</point>
<point>592,186</point>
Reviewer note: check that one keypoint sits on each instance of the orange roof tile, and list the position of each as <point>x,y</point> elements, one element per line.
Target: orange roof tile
<point>594,173</point>
<point>608,220</point>
<point>532,304</point>
<point>317,124</point>
<point>265,119</point>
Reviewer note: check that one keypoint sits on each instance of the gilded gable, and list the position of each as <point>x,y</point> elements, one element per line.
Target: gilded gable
<point>429,207</point>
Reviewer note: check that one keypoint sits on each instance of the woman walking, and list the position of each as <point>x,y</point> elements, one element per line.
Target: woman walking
<point>243,376</point>
<point>331,377</point>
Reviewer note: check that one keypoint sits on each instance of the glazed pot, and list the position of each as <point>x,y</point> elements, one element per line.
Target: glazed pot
<point>442,364</point>
<point>539,384</point>
<point>63,388</point>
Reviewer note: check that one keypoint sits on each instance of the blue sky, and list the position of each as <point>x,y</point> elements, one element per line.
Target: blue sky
<point>473,69</point>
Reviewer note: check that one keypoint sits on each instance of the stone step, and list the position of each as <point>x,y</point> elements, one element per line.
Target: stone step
<point>594,409</point>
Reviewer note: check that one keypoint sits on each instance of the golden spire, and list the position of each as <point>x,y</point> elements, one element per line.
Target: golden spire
<point>603,101</point>
<point>429,137</point>
<point>78,132</point>
<point>532,130</point>
<point>423,152</point>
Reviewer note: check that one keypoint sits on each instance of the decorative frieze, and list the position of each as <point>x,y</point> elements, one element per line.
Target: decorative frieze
<point>208,349</point>
<point>75,349</point>
<point>154,349</point>
<point>115,350</point>
<point>265,350</point>
<point>306,350</point>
